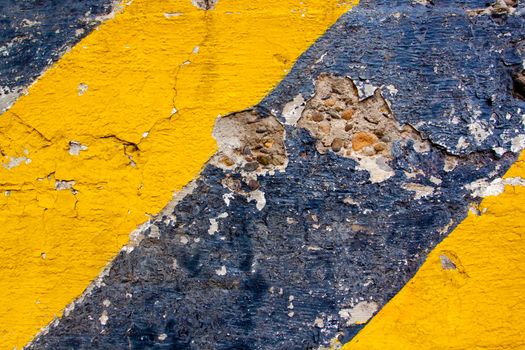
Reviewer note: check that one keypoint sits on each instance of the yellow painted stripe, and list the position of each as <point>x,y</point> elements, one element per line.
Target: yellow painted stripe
<point>153,57</point>
<point>478,305</point>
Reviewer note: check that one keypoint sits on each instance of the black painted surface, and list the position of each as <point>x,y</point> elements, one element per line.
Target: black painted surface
<point>326,253</point>
<point>35,33</point>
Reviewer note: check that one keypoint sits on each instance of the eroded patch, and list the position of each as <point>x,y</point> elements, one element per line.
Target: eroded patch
<point>250,142</point>
<point>365,131</point>
<point>499,8</point>
<point>204,4</point>
<point>519,85</point>
<point>360,313</point>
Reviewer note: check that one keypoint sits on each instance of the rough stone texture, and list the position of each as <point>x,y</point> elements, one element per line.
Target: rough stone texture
<point>364,131</point>
<point>326,236</point>
<point>284,263</point>
<point>445,71</point>
<point>250,142</point>
<point>127,114</point>
<point>34,34</point>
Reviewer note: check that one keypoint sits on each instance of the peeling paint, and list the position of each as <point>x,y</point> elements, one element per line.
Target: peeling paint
<point>124,178</point>
<point>292,111</point>
<point>204,4</point>
<point>420,191</point>
<point>482,188</point>
<point>76,147</point>
<point>104,318</point>
<point>360,313</point>
<point>364,131</point>
<point>357,240</point>
<point>82,89</point>
<point>249,141</point>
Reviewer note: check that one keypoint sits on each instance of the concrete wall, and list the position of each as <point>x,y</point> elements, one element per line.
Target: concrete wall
<point>262,175</point>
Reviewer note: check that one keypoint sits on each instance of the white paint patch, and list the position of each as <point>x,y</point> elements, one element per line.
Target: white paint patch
<point>106,303</point>
<point>292,110</point>
<point>76,147</point>
<point>518,143</point>
<point>450,163</point>
<point>227,197</point>
<point>368,90</point>
<point>82,89</point>
<point>184,240</point>
<point>422,2</point>
<point>478,131</point>
<point>482,188</point>
<point>359,314</point>
<point>214,227</point>
<point>350,201</point>
<point>377,167</point>
<point>259,198</point>
<point>64,185</point>
<point>499,151</point>
<point>222,271</point>
<point>29,23</point>
<point>392,89</point>
<point>291,221</point>
<point>321,58</point>
<point>227,132</point>
<point>462,144</point>
<point>364,89</point>
<point>69,309</point>
<point>420,191</point>
<point>435,180</point>
<point>104,318</point>
<point>154,232</point>
<point>204,4</point>
<point>169,15</point>
<point>8,96</point>
<point>16,161</point>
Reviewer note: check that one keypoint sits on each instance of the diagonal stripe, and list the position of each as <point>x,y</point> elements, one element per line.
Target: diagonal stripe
<point>97,143</point>
<point>326,243</point>
<point>469,293</point>
<point>34,34</point>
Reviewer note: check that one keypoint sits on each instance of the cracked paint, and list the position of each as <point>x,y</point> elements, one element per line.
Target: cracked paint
<point>120,176</point>
<point>248,141</point>
<point>469,292</point>
<point>363,130</point>
<point>322,237</point>
<point>326,240</point>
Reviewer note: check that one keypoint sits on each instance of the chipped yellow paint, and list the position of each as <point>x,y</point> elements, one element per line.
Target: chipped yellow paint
<point>152,59</point>
<point>478,305</point>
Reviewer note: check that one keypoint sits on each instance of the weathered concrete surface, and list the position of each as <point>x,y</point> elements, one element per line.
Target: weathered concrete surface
<point>294,258</point>
<point>34,34</point>
<point>469,292</point>
<point>118,124</point>
<point>444,70</point>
